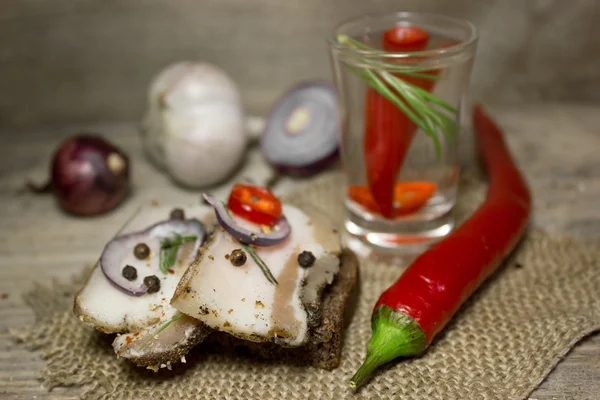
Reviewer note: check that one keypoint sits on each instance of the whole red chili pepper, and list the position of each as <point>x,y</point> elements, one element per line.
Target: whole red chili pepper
<point>418,305</point>
<point>388,131</point>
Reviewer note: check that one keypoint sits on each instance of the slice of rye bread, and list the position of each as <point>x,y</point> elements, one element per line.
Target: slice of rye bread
<point>322,350</point>
<point>324,346</point>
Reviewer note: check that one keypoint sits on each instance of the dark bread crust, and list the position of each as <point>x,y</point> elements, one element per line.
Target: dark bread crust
<point>324,347</point>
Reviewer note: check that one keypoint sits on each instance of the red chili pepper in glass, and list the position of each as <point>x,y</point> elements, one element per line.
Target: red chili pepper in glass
<point>420,303</point>
<point>255,204</point>
<point>388,131</point>
<point>405,38</point>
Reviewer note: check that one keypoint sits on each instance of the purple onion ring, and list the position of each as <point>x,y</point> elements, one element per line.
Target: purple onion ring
<point>281,229</point>
<point>115,252</point>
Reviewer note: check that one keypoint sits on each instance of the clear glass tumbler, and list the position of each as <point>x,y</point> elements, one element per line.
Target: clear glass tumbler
<point>400,93</point>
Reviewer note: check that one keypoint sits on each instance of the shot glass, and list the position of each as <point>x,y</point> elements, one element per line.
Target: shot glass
<point>400,104</point>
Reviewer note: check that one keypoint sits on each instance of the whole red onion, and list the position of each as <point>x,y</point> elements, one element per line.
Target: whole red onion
<point>90,176</point>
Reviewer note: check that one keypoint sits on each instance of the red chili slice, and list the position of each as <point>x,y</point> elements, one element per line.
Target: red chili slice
<point>409,197</point>
<point>255,204</point>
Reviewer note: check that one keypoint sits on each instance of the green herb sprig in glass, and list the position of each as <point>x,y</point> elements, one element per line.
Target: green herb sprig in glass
<point>430,113</point>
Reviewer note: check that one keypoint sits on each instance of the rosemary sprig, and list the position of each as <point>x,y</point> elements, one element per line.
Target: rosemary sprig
<point>168,250</point>
<point>167,324</point>
<point>259,261</point>
<point>403,69</point>
<point>418,104</point>
<point>154,336</point>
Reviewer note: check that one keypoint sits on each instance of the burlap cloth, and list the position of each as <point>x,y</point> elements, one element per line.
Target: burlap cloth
<point>501,345</point>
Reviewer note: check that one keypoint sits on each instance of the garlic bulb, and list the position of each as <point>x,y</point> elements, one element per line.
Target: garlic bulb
<point>194,126</point>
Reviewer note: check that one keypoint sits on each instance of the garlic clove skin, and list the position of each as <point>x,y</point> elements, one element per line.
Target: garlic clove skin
<point>196,84</point>
<point>152,124</point>
<point>152,135</point>
<point>203,146</point>
<point>194,126</point>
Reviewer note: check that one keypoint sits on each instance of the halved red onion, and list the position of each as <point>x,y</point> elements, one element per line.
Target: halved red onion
<point>119,252</point>
<point>280,230</point>
<point>301,133</point>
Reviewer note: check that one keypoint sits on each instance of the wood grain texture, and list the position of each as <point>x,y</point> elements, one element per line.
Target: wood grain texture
<point>65,61</point>
<point>554,143</point>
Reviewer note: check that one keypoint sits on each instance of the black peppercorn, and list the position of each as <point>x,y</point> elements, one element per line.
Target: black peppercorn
<point>129,273</point>
<point>177,213</point>
<point>238,257</point>
<point>152,283</point>
<point>141,251</point>
<point>306,259</point>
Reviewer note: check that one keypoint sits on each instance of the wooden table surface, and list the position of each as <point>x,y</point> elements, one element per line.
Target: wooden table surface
<point>556,145</point>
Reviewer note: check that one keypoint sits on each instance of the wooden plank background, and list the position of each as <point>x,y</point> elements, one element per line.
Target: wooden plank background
<point>66,65</point>
<point>556,145</point>
<point>64,61</point>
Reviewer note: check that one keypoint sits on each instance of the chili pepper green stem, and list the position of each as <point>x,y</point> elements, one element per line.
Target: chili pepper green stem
<point>394,335</point>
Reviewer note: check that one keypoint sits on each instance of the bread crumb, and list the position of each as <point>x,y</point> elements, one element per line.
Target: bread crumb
<point>230,311</point>
<point>259,304</point>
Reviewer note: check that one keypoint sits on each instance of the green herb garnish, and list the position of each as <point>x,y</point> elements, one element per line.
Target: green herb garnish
<point>427,111</point>
<point>259,261</point>
<point>168,250</point>
<point>167,324</point>
<point>160,330</point>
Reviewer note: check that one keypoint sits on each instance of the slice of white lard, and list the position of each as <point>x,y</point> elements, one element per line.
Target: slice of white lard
<point>241,301</point>
<point>109,309</point>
